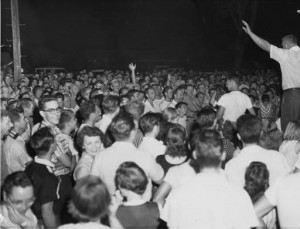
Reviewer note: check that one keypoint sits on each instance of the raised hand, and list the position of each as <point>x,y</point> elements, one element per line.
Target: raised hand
<point>132,67</point>
<point>246,27</point>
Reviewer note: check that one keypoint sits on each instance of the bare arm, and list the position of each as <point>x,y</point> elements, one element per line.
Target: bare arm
<point>132,68</point>
<point>49,218</point>
<point>263,44</point>
<point>220,112</point>
<point>262,207</point>
<point>161,193</point>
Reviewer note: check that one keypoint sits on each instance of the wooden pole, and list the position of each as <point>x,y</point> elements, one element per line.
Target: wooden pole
<point>16,38</point>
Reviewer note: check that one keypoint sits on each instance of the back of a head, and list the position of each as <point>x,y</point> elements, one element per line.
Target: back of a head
<point>90,199</point>
<point>122,126</point>
<point>292,39</point>
<point>42,140</point>
<point>110,104</point>
<point>169,114</point>
<point>176,142</point>
<point>206,117</point>
<point>208,151</point>
<point>130,176</point>
<point>256,180</point>
<point>234,78</point>
<point>148,121</point>
<point>86,109</point>
<point>249,128</point>
<point>15,115</point>
<point>135,108</point>
<point>65,117</point>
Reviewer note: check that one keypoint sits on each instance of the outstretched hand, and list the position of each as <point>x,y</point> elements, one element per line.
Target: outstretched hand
<point>132,67</point>
<point>246,27</point>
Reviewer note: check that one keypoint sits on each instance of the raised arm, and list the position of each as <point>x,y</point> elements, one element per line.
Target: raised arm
<point>263,44</point>
<point>132,68</point>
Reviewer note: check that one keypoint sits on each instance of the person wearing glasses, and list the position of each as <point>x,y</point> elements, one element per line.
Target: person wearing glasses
<point>18,197</point>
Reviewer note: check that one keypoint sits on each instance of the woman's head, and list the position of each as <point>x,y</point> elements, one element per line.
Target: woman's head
<point>256,180</point>
<point>176,142</point>
<point>90,199</point>
<point>292,131</point>
<point>18,192</point>
<point>89,139</point>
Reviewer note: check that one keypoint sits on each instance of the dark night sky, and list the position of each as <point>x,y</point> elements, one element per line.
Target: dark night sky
<point>98,33</point>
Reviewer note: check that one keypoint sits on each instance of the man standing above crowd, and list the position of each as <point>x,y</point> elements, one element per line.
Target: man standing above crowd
<point>289,60</point>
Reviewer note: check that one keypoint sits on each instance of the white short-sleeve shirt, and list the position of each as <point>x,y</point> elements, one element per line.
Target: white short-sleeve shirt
<point>289,60</point>
<point>235,103</point>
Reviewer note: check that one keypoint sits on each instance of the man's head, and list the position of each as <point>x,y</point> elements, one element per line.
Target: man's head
<point>150,123</point>
<point>289,41</point>
<point>135,108</point>
<point>27,105</point>
<point>133,94</point>
<point>90,112</point>
<point>42,142</point>
<point>150,93</point>
<point>178,95</point>
<point>189,90</point>
<point>206,118</point>
<point>181,109</point>
<point>18,192</point>
<point>122,127</point>
<point>49,109</point>
<point>110,104</point>
<point>5,124</point>
<point>67,120</point>
<point>249,128</point>
<point>168,92</point>
<point>18,120</point>
<point>208,151</point>
<point>233,83</point>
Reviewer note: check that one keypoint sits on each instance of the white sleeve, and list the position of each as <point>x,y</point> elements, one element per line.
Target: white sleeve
<point>248,102</point>
<point>222,101</point>
<point>272,192</point>
<point>278,54</point>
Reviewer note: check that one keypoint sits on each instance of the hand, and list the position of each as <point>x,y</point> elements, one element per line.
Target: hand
<point>19,219</point>
<point>132,67</point>
<point>246,27</point>
<point>116,200</point>
<point>298,11</point>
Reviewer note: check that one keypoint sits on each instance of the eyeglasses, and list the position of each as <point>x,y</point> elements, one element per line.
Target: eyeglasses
<point>53,111</point>
<point>28,202</point>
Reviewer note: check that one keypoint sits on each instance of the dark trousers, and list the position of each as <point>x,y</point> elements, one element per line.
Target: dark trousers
<point>290,107</point>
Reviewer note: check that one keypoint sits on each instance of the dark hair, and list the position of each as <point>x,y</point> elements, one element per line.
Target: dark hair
<point>249,128</point>
<point>135,108</point>
<point>46,99</point>
<point>90,132</point>
<point>16,179</point>
<point>234,78</point>
<point>148,121</point>
<point>41,140</point>
<point>86,109</point>
<point>15,115</point>
<point>121,126</point>
<point>25,103</point>
<point>131,93</point>
<point>265,98</point>
<point>166,90</point>
<point>256,180</point>
<point>209,150</point>
<point>110,103</point>
<point>180,104</point>
<point>131,177</point>
<point>90,199</point>
<point>206,117</point>
<point>291,38</point>
<point>175,142</point>
<point>59,95</point>
<point>65,117</point>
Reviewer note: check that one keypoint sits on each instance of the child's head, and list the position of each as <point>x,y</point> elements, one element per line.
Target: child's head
<point>292,131</point>
<point>256,180</point>
<point>90,199</point>
<point>181,108</point>
<point>265,99</point>
<point>130,177</point>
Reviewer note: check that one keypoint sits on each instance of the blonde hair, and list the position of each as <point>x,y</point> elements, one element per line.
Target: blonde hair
<point>292,131</point>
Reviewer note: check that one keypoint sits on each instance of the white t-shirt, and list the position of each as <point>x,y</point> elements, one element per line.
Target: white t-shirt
<point>104,123</point>
<point>276,163</point>
<point>235,103</point>
<point>89,225</point>
<point>285,194</point>
<point>108,161</point>
<point>289,60</point>
<point>152,146</point>
<point>209,201</point>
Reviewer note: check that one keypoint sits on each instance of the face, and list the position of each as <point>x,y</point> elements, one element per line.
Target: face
<point>151,94</point>
<point>67,101</point>
<point>3,104</point>
<point>190,91</point>
<point>262,89</point>
<point>202,88</point>
<point>200,98</point>
<point>141,97</point>
<point>51,112</point>
<point>8,80</point>
<point>116,86</point>
<point>182,111</point>
<point>97,114</point>
<point>22,123</point>
<point>21,199</point>
<point>178,96</point>
<point>92,144</point>
<point>169,94</point>
<point>55,84</point>
<point>6,125</point>
<point>60,102</point>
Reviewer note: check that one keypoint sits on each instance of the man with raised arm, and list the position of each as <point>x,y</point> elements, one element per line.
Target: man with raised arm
<point>289,59</point>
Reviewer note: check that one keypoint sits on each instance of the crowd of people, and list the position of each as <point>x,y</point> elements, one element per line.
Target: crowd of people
<point>167,148</point>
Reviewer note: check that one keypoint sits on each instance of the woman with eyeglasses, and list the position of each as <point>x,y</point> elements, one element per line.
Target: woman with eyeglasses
<point>18,197</point>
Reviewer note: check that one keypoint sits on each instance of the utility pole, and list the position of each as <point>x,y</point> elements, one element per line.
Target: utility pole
<point>16,38</point>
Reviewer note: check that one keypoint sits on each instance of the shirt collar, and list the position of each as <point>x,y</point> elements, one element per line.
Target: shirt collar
<point>296,48</point>
<point>43,162</point>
